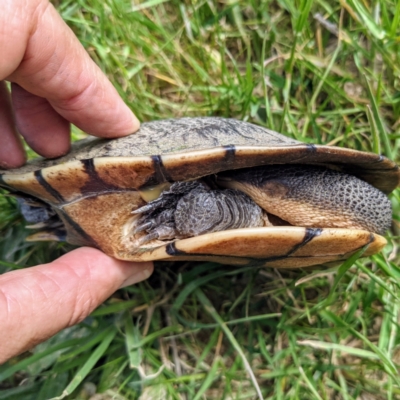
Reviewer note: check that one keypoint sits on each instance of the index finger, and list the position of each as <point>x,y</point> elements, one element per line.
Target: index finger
<point>46,59</point>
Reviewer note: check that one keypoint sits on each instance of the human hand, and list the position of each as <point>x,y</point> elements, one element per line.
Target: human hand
<point>53,82</point>
<point>36,303</point>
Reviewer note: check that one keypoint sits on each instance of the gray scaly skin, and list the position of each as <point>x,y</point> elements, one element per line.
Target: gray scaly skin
<point>191,208</point>
<point>301,195</point>
<point>313,196</point>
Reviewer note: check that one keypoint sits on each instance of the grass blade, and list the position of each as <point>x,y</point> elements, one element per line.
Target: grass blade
<point>379,122</point>
<point>89,364</point>
<point>228,333</point>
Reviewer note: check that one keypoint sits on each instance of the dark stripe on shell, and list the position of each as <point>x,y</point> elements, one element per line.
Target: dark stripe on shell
<point>95,184</point>
<point>311,148</point>
<point>4,185</point>
<point>371,238</point>
<point>78,229</point>
<point>161,174</point>
<point>309,235</point>
<point>171,250</point>
<point>230,153</point>
<point>49,189</point>
<point>88,165</point>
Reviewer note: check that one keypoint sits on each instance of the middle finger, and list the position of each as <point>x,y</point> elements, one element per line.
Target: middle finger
<point>45,131</point>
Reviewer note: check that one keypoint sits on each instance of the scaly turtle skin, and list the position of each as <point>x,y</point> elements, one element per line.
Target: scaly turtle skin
<point>94,189</point>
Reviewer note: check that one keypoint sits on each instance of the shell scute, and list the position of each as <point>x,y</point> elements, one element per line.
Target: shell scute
<point>277,247</point>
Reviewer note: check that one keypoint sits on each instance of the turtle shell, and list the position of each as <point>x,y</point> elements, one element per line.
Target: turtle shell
<point>96,186</point>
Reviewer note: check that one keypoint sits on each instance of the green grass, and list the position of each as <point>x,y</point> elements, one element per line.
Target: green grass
<point>204,331</point>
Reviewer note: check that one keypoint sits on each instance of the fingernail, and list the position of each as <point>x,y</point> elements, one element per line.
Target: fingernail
<point>135,122</point>
<point>140,276</point>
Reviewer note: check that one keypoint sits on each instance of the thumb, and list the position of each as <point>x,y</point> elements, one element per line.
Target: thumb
<point>37,302</point>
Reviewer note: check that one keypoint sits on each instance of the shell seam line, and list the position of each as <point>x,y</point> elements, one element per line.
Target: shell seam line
<point>45,185</point>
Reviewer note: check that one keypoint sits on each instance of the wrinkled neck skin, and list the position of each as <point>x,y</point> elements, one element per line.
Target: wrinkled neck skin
<point>313,196</point>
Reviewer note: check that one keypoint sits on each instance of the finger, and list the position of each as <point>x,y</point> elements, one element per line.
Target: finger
<point>12,153</point>
<point>45,131</point>
<point>37,302</point>
<point>61,71</point>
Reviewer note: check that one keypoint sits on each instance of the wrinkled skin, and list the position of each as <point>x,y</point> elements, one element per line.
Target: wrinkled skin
<point>54,83</point>
<point>190,209</point>
<point>300,195</point>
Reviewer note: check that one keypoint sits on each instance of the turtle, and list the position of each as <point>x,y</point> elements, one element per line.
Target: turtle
<point>210,189</point>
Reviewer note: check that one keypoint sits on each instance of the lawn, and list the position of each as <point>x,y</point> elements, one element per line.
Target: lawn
<point>319,71</point>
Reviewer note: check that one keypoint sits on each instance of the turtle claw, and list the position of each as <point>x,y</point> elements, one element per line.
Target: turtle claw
<point>148,208</point>
<point>162,232</point>
<point>169,198</point>
<point>148,238</point>
<point>143,227</point>
<point>157,218</point>
<point>160,226</point>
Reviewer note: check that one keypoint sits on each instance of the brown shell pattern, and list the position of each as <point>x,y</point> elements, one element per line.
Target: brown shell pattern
<point>95,187</point>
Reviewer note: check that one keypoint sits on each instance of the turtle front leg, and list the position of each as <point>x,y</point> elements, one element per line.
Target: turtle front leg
<point>157,217</point>
<point>190,209</point>
<point>160,227</point>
